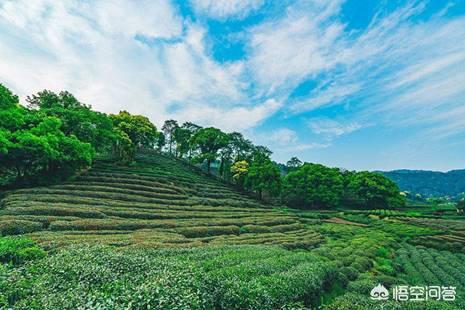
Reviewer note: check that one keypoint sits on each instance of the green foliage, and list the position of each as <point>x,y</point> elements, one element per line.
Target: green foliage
<point>429,184</point>
<point>17,250</point>
<point>293,164</point>
<point>133,132</point>
<point>372,190</point>
<point>239,171</point>
<point>169,128</point>
<point>222,278</point>
<point>208,141</point>
<point>77,119</point>
<point>313,186</point>
<point>57,135</point>
<point>18,227</point>
<point>264,176</point>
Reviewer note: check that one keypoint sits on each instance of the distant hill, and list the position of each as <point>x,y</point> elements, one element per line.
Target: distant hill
<point>429,183</point>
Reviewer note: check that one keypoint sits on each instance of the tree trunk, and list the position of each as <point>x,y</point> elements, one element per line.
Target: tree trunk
<point>208,165</point>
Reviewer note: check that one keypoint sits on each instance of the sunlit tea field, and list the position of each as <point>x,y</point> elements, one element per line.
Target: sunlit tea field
<point>162,234</point>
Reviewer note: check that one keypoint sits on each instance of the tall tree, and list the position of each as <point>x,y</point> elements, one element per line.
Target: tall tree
<point>169,128</point>
<point>313,186</point>
<point>241,147</point>
<point>192,129</point>
<point>209,141</point>
<point>77,118</point>
<point>182,138</point>
<point>264,176</point>
<point>293,164</point>
<point>373,190</point>
<point>134,131</point>
<point>239,171</point>
<point>160,141</point>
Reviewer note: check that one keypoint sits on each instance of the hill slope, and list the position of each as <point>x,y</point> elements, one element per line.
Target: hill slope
<point>429,183</point>
<point>156,202</point>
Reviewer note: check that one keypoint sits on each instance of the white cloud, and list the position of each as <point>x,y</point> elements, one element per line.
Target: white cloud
<point>334,94</point>
<point>291,49</point>
<point>285,140</point>
<point>397,71</point>
<point>222,9</point>
<point>118,55</point>
<point>146,58</point>
<point>235,118</point>
<point>304,147</point>
<point>283,136</point>
<point>332,127</point>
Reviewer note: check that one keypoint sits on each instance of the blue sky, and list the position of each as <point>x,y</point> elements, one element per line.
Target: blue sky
<point>359,84</point>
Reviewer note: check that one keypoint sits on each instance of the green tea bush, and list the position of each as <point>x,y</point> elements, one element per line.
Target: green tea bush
<point>350,272</point>
<point>17,250</point>
<point>18,227</point>
<point>110,224</point>
<point>206,278</point>
<point>196,232</point>
<point>255,229</point>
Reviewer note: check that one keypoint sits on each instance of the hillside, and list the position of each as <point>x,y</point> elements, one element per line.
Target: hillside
<point>156,202</point>
<point>162,234</point>
<point>429,183</point>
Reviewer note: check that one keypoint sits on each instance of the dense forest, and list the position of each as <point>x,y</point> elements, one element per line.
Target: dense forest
<point>56,136</point>
<point>429,184</point>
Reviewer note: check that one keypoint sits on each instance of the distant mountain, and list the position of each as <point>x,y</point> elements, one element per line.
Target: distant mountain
<point>429,183</point>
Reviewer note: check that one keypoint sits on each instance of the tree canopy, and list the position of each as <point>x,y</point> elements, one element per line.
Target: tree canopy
<point>209,141</point>
<point>56,134</point>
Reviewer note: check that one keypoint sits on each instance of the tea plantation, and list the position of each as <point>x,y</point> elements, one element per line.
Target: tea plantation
<point>161,234</point>
<point>157,202</point>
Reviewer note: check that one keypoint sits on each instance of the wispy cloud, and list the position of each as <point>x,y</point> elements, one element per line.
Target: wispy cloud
<point>222,9</point>
<point>402,69</point>
<point>332,128</point>
<point>116,55</point>
<point>397,67</point>
<point>284,52</point>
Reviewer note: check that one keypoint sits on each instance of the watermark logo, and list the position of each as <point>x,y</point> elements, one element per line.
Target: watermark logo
<point>379,292</point>
<point>414,293</point>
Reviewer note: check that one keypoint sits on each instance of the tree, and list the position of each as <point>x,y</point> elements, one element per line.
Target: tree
<point>313,186</point>
<point>7,98</point>
<point>169,128</point>
<point>461,206</point>
<point>264,176</point>
<point>133,132</point>
<point>45,147</point>
<point>182,138</point>
<point>239,171</point>
<point>242,149</point>
<point>261,151</point>
<point>293,163</point>
<point>373,190</point>
<point>209,141</point>
<point>77,119</point>
<point>192,129</point>
<point>160,141</point>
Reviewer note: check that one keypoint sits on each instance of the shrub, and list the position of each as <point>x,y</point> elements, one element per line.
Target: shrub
<point>18,227</point>
<point>350,272</point>
<point>205,231</point>
<point>254,229</point>
<point>17,250</point>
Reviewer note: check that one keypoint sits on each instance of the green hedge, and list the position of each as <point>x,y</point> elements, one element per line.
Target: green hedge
<point>18,227</point>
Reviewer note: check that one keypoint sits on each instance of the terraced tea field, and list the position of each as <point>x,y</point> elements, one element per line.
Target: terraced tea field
<point>157,202</point>
<point>161,234</point>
